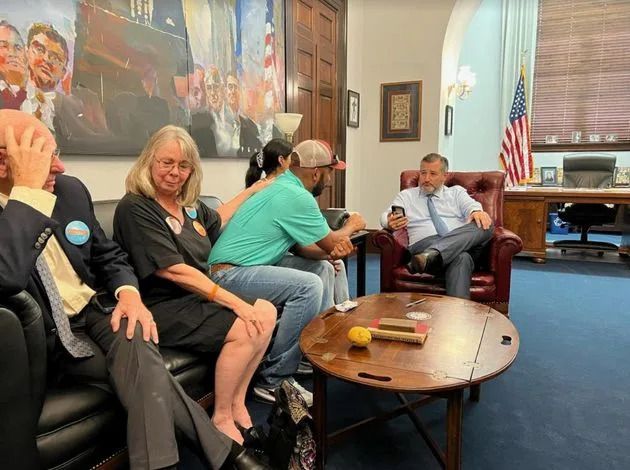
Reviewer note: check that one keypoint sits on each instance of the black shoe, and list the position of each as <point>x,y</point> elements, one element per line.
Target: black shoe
<point>429,261</point>
<point>254,437</point>
<point>241,458</point>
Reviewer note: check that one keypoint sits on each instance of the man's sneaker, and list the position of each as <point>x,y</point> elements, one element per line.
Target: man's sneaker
<point>266,395</point>
<point>308,396</point>
<point>304,368</point>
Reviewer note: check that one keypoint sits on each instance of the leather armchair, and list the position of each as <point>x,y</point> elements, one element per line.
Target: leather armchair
<point>68,426</point>
<point>491,282</point>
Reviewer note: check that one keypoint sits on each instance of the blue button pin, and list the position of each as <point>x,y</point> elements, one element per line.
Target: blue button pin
<point>191,212</point>
<point>77,232</point>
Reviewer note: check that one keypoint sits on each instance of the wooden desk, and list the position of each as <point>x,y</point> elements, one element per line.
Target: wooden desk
<point>469,343</point>
<point>525,212</point>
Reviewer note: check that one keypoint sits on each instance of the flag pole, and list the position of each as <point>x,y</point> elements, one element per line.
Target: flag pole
<point>529,130</point>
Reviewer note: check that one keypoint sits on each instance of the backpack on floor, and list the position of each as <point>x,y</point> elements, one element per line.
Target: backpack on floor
<point>291,442</point>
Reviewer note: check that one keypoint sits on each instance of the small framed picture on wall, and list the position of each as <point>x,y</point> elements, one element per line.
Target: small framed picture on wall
<point>354,108</point>
<point>448,120</point>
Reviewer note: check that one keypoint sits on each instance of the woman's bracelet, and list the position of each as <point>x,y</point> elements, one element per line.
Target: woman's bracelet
<point>213,292</point>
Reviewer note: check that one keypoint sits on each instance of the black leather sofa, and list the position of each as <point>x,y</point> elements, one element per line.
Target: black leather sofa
<point>67,426</point>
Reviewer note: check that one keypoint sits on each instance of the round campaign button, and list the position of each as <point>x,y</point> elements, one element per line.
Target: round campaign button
<point>199,228</point>
<point>174,224</point>
<point>77,232</point>
<point>191,212</point>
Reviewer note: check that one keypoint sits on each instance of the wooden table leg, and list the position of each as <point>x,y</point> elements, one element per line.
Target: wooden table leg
<point>454,430</point>
<point>475,392</point>
<point>319,416</point>
<point>361,251</point>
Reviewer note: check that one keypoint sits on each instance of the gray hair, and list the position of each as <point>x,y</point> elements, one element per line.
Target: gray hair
<point>435,157</point>
<point>139,180</point>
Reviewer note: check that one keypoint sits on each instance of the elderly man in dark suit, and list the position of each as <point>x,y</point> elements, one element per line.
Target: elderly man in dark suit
<point>52,246</point>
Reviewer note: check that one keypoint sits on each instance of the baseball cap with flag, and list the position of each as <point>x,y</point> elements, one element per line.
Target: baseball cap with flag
<point>317,154</point>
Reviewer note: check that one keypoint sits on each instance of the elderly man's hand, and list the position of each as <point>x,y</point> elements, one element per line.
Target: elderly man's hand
<point>130,306</point>
<point>396,221</point>
<point>481,218</point>
<point>30,159</point>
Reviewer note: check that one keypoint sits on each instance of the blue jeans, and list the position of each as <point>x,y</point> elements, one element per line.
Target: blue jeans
<point>301,295</point>
<point>335,283</point>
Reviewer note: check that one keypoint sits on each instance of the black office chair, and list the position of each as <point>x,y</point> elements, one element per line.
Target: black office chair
<point>587,171</point>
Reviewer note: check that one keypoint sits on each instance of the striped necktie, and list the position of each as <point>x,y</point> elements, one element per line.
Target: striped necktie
<point>75,346</point>
<point>440,226</point>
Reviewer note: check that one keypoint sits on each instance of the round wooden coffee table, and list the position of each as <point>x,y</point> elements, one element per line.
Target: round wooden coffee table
<point>469,343</point>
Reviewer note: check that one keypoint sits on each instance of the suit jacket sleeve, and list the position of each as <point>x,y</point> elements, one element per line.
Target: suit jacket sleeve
<point>21,242</point>
<point>109,263</point>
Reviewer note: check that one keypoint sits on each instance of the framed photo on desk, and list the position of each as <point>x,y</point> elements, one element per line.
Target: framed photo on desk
<point>549,175</point>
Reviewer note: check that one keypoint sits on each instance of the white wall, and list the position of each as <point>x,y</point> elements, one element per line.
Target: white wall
<point>354,155</point>
<point>476,121</point>
<point>462,14</point>
<point>400,40</point>
<point>105,176</point>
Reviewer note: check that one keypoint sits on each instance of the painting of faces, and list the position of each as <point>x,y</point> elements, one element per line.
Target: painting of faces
<point>104,75</point>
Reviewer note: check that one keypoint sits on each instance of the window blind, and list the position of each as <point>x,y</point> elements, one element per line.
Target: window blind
<point>582,73</point>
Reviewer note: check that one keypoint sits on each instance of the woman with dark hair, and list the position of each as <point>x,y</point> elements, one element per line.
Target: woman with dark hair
<point>272,160</point>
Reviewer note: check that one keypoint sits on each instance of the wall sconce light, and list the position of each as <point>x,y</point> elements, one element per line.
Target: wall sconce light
<point>288,124</point>
<point>466,80</point>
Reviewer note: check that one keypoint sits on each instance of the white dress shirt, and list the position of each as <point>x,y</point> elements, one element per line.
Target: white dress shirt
<point>453,205</point>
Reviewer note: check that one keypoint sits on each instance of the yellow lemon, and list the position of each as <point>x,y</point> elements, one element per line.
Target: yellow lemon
<point>359,336</point>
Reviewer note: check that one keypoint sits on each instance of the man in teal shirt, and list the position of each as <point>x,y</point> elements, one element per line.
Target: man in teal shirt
<point>250,256</point>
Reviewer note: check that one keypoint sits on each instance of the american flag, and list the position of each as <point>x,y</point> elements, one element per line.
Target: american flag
<point>516,149</point>
<point>271,83</point>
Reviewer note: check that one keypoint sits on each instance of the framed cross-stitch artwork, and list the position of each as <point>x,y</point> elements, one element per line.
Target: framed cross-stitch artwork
<point>401,108</point>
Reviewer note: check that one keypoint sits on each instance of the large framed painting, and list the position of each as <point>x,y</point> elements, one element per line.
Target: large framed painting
<point>105,74</point>
<point>401,106</point>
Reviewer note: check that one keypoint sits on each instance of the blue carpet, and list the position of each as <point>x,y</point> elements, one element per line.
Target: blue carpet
<point>564,403</point>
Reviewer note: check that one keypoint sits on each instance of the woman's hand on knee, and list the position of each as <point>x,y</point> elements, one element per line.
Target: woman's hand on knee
<point>250,316</point>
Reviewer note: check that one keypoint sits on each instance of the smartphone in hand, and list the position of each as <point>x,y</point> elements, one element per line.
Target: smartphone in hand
<point>398,210</point>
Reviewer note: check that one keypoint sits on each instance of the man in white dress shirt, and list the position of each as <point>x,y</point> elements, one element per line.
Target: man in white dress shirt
<point>447,228</point>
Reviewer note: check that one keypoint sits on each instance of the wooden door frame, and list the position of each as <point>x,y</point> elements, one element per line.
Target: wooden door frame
<point>291,82</point>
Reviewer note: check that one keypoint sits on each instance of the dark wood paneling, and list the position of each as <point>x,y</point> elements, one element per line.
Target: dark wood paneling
<point>316,78</point>
<point>305,105</point>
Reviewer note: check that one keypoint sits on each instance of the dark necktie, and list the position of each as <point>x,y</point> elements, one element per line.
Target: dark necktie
<point>75,346</point>
<point>440,226</point>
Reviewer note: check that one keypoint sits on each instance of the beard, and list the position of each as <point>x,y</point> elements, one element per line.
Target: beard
<point>318,189</point>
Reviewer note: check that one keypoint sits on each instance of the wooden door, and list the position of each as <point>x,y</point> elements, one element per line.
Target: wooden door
<point>316,79</point>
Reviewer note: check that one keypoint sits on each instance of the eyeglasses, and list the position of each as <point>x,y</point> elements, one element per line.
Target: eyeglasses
<point>168,165</point>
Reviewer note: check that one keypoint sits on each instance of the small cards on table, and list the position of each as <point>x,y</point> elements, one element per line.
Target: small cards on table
<point>346,305</point>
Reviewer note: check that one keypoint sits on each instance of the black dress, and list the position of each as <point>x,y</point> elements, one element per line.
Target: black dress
<point>156,240</point>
